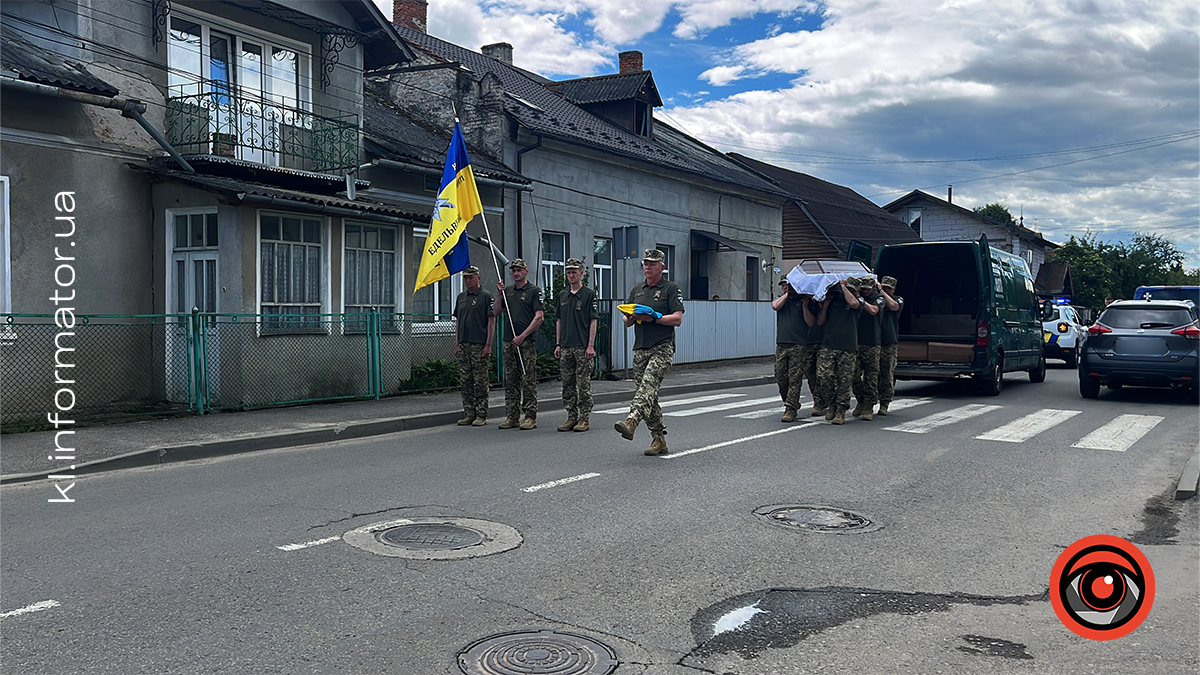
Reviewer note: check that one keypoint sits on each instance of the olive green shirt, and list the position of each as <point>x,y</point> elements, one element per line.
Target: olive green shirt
<point>473,311</point>
<point>523,304</point>
<point>816,334</point>
<point>891,324</point>
<point>575,314</point>
<point>870,327</point>
<point>790,328</point>
<point>664,297</point>
<point>841,325</point>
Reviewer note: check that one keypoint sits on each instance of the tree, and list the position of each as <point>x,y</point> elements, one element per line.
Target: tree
<point>1100,270</point>
<point>997,212</point>
<point>1089,270</point>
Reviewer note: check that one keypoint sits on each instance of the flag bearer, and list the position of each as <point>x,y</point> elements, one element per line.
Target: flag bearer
<point>473,329</point>
<point>526,313</point>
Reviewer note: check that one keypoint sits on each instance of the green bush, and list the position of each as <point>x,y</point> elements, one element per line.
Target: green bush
<point>432,376</point>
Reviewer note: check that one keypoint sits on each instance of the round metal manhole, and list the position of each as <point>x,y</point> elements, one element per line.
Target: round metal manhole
<point>544,651</point>
<point>814,518</point>
<point>434,538</point>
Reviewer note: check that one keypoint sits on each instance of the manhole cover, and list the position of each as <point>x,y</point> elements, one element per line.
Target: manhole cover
<point>537,652</point>
<point>812,518</point>
<point>434,538</point>
<point>441,537</point>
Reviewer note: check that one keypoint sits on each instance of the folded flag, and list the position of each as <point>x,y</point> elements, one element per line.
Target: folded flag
<point>639,312</point>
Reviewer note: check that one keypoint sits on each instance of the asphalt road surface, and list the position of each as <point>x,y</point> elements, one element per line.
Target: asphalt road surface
<point>956,507</point>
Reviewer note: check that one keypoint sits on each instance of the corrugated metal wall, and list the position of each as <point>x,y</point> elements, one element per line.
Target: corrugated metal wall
<point>712,330</point>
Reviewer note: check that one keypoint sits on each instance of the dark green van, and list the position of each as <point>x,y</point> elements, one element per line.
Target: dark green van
<point>969,310</point>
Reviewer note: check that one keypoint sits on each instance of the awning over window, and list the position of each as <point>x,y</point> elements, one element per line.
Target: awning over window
<point>704,240</point>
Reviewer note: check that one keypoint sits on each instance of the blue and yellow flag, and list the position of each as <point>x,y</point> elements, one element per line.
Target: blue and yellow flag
<point>457,204</point>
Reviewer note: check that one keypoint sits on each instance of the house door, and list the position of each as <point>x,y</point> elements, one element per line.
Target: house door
<point>195,281</point>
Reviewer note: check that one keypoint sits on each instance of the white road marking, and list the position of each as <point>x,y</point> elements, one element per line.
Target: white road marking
<point>1025,428</point>
<point>1119,434</point>
<point>766,412</point>
<point>902,403</point>
<point>561,481</point>
<point>927,424</point>
<point>308,544</point>
<point>722,406</point>
<point>35,607</point>
<point>735,441</point>
<point>667,404</point>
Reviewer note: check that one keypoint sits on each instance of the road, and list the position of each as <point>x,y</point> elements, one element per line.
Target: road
<point>239,565</point>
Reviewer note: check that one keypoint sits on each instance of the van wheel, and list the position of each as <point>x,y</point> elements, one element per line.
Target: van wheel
<point>991,383</point>
<point>1072,360</point>
<point>1089,387</point>
<point>1038,374</point>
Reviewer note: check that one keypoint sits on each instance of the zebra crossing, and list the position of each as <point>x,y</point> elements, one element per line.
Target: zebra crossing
<point>1116,435</point>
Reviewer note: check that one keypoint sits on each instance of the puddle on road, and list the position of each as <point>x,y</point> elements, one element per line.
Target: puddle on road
<point>778,618</point>
<point>1160,521</point>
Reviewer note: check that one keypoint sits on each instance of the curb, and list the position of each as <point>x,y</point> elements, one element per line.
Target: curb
<point>289,439</point>
<point>1189,480</point>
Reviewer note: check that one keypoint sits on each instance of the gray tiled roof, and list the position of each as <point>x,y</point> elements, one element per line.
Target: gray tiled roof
<point>606,88</point>
<point>840,212</point>
<point>402,138</point>
<point>531,102</point>
<point>37,64</point>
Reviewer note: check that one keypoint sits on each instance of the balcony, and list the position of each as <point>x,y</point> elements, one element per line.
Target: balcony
<point>213,118</point>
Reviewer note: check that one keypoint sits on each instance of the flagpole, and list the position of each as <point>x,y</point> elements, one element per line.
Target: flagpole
<point>503,296</point>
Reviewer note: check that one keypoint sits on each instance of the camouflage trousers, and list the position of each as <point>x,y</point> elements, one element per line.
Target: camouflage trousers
<point>789,374</point>
<point>520,388</point>
<point>575,368</point>
<point>835,370</point>
<point>473,379</point>
<point>887,372</point>
<point>808,356</point>
<point>866,375</point>
<point>650,366</point>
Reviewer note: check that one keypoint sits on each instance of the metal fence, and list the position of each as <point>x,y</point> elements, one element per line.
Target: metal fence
<point>712,330</point>
<point>109,365</point>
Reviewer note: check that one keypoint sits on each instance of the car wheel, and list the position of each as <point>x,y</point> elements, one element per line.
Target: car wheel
<point>1071,359</point>
<point>991,382</point>
<point>1089,387</point>
<point>1038,374</point>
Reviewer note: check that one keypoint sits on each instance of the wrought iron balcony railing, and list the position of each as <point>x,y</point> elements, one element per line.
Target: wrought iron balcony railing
<point>215,118</point>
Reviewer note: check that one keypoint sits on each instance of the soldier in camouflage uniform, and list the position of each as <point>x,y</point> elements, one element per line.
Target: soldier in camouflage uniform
<point>575,333</point>
<point>889,339</point>
<point>808,355</point>
<point>835,361</point>
<point>473,329</point>
<point>790,332</point>
<point>866,372</point>
<point>653,347</point>
<point>525,313</point>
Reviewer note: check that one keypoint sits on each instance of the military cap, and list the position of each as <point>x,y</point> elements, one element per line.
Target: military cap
<point>783,281</point>
<point>518,262</point>
<point>654,255</point>
<point>470,271</point>
<point>574,264</point>
<point>888,282</point>
<point>865,283</point>
<point>852,283</point>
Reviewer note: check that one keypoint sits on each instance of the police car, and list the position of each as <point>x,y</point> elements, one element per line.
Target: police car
<point>1063,333</point>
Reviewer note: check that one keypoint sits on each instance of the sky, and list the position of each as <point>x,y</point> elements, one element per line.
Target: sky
<point>1082,116</point>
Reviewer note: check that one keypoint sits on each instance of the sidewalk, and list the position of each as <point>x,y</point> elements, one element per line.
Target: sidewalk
<point>146,442</point>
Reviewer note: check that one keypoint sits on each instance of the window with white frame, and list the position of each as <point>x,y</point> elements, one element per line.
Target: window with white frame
<point>290,249</point>
<point>669,254</point>
<point>602,268</point>
<point>914,220</point>
<point>369,273</point>
<point>554,258</point>
<point>434,302</point>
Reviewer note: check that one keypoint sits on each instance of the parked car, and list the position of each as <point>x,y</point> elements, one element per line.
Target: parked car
<point>1063,332</point>
<point>1142,342</point>
<point>1168,293</point>
<point>969,310</point>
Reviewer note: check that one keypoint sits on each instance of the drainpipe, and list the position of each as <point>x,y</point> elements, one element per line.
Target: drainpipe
<point>520,209</point>
<point>129,107</point>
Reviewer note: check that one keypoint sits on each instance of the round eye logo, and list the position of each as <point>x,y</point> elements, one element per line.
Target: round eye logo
<point>1102,587</point>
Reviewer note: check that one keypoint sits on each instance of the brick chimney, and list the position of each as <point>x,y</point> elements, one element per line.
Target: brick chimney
<point>631,62</point>
<point>410,14</point>
<point>501,51</point>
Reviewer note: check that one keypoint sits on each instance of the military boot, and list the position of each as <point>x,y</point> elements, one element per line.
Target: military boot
<point>858,410</point>
<point>581,425</point>
<point>658,446</point>
<point>867,416</point>
<point>627,427</point>
<point>568,425</point>
<point>466,420</point>
<point>510,423</point>
<point>831,413</point>
<point>818,411</point>
<point>789,415</point>
<point>479,421</point>
<point>529,423</point>
<point>840,417</point>
<point>883,409</point>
